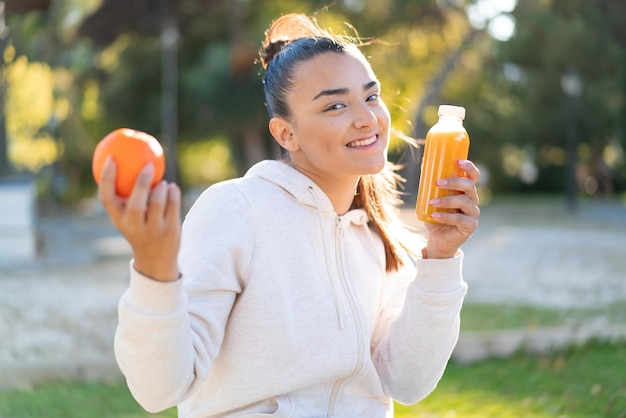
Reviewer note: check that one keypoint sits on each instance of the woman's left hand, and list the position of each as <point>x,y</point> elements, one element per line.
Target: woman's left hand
<point>457,226</point>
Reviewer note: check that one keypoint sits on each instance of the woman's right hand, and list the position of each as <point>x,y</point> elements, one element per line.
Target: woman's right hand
<point>148,219</point>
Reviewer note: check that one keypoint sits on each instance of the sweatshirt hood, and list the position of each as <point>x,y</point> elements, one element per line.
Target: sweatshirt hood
<point>304,190</point>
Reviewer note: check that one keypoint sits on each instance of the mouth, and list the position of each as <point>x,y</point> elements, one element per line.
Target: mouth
<point>363,142</point>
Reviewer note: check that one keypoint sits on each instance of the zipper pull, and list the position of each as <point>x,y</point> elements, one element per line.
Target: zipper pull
<point>340,231</point>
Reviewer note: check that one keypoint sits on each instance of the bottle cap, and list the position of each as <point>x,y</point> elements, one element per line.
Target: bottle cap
<point>454,111</point>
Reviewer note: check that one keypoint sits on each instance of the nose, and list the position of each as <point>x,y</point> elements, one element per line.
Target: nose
<point>365,117</point>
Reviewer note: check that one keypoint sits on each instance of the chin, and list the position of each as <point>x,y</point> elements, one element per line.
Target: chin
<point>376,167</point>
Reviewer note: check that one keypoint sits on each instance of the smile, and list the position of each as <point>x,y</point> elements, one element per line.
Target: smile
<point>363,142</point>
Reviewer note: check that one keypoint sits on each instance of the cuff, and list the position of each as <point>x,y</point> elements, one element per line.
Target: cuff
<point>154,297</point>
<point>440,275</point>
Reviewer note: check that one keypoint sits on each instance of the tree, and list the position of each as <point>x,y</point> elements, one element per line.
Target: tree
<point>10,7</point>
<point>220,89</point>
<point>521,110</point>
<point>112,66</point>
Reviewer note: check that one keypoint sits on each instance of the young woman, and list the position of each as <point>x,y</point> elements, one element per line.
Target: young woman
<point>293,292</point>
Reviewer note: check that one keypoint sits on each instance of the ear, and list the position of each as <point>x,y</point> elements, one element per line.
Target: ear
<point>283,134</point>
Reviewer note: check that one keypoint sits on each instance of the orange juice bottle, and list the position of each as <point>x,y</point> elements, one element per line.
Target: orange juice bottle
<point>446,143</point>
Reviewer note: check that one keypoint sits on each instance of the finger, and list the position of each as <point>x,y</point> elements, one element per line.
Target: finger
<point>463,185</point>
<point>172,212</point>
<point>465,224</point>
<point>157,202</point>
<point>106,189</point>
<point>137,202</point>
<point>460,202</point>
<point>472,171</point>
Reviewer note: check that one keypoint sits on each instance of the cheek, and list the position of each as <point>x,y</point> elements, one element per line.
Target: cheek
<point>315,138</point>
<point>323,133</point>
<point>385,116</point>
<point>384,120</point>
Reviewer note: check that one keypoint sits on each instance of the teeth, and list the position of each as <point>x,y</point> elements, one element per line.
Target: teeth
<point>363,142</point>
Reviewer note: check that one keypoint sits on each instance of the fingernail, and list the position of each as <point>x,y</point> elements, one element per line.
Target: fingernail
<point>149,168</point>
<point>174,192</point>
<point>434,201</point>
<point>436,215</point>
<point>442,182</point>
<point>462,162</point>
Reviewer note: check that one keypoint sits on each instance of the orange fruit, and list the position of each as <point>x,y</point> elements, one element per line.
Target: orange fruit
<point>131,150</point>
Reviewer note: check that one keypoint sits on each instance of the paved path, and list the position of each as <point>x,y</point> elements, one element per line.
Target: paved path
<point>59,312</point>
<point>539,255</point>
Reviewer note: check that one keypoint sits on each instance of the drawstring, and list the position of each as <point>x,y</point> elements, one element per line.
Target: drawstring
<point>326,258</point>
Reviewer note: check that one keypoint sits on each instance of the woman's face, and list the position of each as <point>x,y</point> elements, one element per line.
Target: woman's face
<point>339,125</point>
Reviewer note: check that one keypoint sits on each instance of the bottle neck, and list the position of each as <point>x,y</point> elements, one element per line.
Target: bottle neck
<point>449,118</point>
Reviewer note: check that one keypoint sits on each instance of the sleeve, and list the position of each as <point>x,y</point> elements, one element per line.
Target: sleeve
<point>418,328</point>
<point>170,332</point>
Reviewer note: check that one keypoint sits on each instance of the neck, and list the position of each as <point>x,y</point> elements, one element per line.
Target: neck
<point>340,197</point>
<point>339,190</point>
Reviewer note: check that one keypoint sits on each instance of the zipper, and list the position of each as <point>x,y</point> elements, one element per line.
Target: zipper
<point>333,283</point>
<point>355,316</point>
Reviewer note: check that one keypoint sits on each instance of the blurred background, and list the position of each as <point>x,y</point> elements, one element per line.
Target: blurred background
<point>544,86</point>
<point>543,82</point>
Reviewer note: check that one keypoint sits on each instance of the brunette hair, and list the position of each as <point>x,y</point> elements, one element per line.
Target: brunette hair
<point>290,40</point>
<point>296,38</point>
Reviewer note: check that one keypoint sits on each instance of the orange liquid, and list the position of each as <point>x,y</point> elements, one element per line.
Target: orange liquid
<point>442,150</point>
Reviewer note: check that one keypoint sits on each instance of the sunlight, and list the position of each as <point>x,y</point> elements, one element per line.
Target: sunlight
<point>495,16</point>
<point>30,105</point>
<point>613,154</point>
<point>354,6</point>
<point>502,27</point>
<point>205,161</point>
<point>450,402</point>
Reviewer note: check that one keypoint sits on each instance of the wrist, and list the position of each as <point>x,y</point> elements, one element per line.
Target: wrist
<point>430,253</point>
<point>156,272</point>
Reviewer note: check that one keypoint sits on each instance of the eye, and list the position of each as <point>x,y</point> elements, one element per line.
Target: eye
<point>334,106</point>
<point>372,98</point>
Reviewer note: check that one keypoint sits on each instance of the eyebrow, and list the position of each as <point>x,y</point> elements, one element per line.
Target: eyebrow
<point>335,92</point>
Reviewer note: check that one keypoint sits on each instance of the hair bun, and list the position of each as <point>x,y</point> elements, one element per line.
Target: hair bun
<point>270,51</point>
<point>286,29</point>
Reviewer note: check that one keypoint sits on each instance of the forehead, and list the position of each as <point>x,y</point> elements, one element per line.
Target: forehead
<point>332,70</point>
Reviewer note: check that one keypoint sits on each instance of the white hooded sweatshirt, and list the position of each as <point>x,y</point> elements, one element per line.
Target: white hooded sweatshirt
<point>284,309</point>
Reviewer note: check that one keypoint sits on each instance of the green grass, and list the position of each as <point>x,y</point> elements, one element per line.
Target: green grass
<point>490,317</point>
<point>587,381</point>
<point>481,317</point>
<point>584,382</point>
<point>74,400</point>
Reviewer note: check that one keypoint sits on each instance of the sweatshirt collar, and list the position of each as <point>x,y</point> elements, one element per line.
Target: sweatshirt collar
<point>304,190</point>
